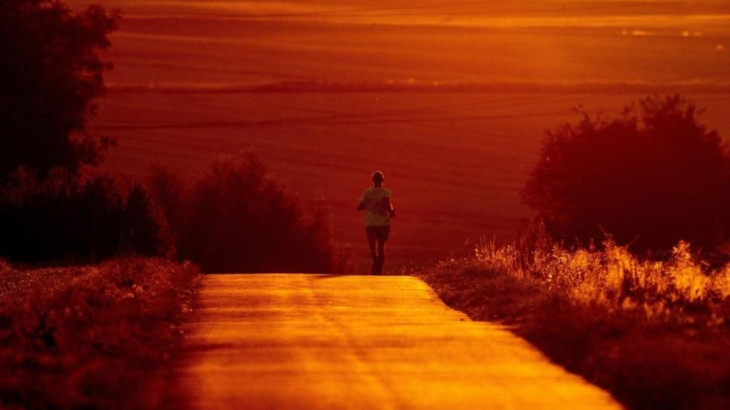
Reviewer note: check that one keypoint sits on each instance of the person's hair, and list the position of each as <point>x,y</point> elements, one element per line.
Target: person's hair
<point>378,176</point>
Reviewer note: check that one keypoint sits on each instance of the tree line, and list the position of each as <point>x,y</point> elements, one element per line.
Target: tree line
<point>234,218</point>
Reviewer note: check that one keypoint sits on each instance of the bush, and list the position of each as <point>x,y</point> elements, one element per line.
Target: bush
<point>651,177</point>
<point>66,218</point>
<point>238,219</point>
<point>144,228</point>
<point>92,336</point>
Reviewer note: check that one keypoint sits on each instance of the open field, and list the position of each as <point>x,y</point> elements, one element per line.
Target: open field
<point>455,161</point>
<point>449,100</point>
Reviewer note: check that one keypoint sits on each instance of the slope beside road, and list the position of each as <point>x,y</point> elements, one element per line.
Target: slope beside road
<point>321,341</point>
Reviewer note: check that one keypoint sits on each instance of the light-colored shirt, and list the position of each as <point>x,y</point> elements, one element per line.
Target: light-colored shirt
<point>375,213</point>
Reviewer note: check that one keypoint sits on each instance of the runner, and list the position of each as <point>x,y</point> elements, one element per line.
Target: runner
<point>378,211</point>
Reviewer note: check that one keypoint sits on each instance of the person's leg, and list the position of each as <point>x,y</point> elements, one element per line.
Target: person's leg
<point>381,255</point>
<point>383,234</point>
<point>372,236</point>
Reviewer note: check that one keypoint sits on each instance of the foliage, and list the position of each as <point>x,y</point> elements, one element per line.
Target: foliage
<point>677,290</point>
<point>66,218</point>
<point>144,228</point>
<point>236,218</point>
<point>92,336</point>
<point>651,177</point>
<point>49,74</point>
<point>653,333</point>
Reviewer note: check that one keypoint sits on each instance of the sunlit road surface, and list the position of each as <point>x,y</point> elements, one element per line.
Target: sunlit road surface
<point>317,341</point>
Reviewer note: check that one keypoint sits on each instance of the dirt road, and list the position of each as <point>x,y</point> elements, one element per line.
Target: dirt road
<point>318,341</point>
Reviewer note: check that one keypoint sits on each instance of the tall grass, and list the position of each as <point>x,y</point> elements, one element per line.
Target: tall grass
<point>680,288</point>
<point>89,336</point>
<point>654,333</point>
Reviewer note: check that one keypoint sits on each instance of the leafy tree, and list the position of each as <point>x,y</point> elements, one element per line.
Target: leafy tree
<point>650,177</point>
<point>49,74</point>
<point>236,218</point>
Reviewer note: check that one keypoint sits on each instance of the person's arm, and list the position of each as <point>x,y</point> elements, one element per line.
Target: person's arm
<point>388,206</point>
<point>361,206</point>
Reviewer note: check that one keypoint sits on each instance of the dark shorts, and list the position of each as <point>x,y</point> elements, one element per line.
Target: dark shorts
<point>380,233</point>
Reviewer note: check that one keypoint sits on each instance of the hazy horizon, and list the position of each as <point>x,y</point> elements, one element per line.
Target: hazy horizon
<point>253,43</point>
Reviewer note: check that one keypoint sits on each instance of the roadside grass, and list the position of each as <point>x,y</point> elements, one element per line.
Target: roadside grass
<point>654,334</point>
<point>90,336</point>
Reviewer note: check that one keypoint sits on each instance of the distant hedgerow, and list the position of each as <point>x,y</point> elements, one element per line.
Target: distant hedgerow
<point>66,218</point>
<point>234,218</point>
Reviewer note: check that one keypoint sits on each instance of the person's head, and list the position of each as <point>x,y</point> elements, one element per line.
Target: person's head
<point>378,178</point>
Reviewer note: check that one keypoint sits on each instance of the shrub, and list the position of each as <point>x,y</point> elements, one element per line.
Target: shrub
<point>144,229</point>
<point>91,336</point>
<point>236,218</point>
<point>651,177</point>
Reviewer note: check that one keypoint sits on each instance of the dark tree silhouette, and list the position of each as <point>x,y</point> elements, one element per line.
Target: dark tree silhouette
<point>236,218</point>
<point>144,227</point>
<point>49,74</point>
<point>651,177</point>
<point>65,218</point>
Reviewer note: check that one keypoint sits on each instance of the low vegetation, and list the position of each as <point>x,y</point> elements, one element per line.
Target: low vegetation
<point>91,336</point>
<point>655,334</point>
